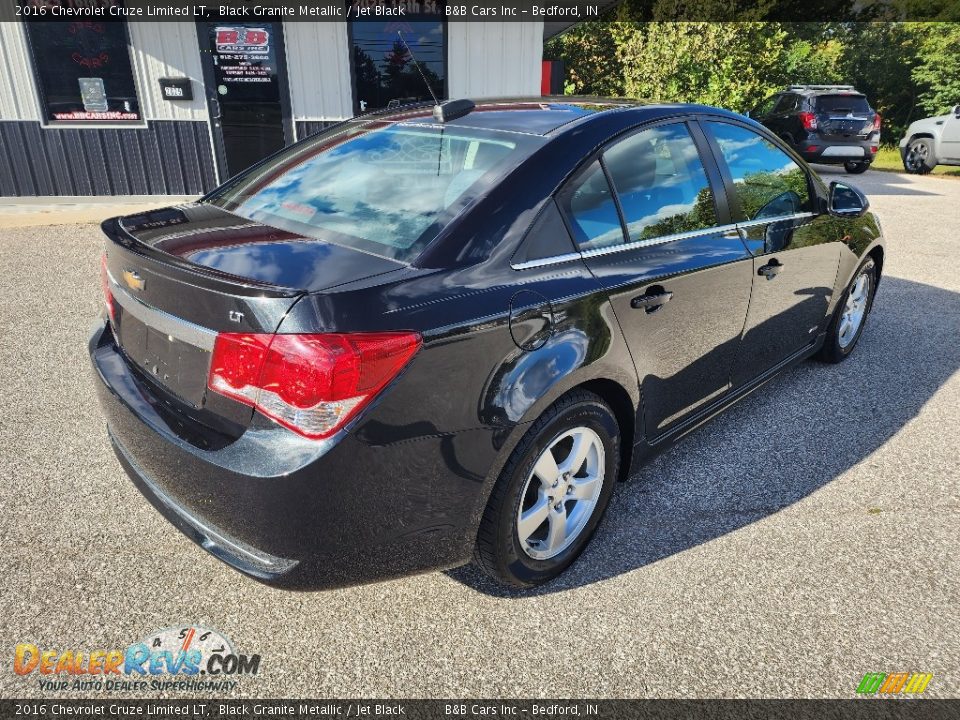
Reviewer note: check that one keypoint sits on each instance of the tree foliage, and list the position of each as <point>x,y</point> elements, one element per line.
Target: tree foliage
<point>907,70</point>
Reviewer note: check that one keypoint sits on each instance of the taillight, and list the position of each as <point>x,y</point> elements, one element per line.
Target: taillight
<point>311,384</point>
<point>105,283</point>
<point>809,120</point>
<point>876,122</point>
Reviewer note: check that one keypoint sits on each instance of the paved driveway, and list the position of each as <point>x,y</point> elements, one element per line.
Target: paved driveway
<point>806,537</point>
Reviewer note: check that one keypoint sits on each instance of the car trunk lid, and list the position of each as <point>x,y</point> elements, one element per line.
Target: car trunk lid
<point>181,275</point>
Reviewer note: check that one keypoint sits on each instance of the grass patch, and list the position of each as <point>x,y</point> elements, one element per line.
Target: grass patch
<point>889,159</point>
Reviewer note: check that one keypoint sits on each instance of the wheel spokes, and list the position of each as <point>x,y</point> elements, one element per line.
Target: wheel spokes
<point>584,488</point>
<point>546,469</point>
<point>557,530</point>
<point>532,519</point>
<point>578,454</point>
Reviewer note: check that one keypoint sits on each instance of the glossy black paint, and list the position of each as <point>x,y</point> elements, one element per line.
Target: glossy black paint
<point>512,318</point>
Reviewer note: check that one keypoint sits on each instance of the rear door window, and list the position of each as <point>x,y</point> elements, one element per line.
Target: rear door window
<point>591,210</point>
<point>661,183</point>
<point>767,181</point>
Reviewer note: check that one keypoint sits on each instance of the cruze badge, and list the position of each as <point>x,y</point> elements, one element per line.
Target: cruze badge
<point>133,280</point>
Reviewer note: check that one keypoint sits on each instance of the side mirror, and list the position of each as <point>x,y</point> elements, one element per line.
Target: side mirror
<point>846,201</point>
<point>956,111</point>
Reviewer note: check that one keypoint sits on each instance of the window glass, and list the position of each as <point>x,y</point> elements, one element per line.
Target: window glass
<point>589,205</point>
<point>385,189</point>
<point>661,183</point>
<point>766,106</point>
<point>768,182</point>
<point>785,103</point>
<point>384,72</point>
<point>83,71</point>
<point>842,104</point>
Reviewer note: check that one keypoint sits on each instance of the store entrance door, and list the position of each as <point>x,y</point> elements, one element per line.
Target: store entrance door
<point>246,85</point>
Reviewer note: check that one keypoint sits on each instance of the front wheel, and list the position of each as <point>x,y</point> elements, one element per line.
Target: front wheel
<point>551,494</point>
<point>856,168</point>
<point>851,315</point>
<point>919,158</point>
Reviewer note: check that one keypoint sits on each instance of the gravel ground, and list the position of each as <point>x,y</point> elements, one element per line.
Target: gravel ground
<point>805,537</point>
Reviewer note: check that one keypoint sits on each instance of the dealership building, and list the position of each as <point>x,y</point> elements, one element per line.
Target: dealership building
<point>176,107</point>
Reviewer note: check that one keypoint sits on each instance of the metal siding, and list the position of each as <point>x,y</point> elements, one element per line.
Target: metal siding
<point>318,67</point>
<point>492,59</point>
<point>305,128</point>
<point>18,97</point>
<point>167,49</point>
<point>166,158</point>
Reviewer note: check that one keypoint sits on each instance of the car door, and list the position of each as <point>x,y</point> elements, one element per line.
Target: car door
<point>648,225</point>
<point>796,248</point>
<point>950,137</point>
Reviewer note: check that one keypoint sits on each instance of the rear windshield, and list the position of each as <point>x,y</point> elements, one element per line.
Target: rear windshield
<point>843,104</point>
<point>386,189</point>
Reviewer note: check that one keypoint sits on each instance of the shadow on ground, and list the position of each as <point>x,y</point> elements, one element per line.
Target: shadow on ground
<point>792,437</point>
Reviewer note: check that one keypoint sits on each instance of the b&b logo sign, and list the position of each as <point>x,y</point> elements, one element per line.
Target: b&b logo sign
<point>242,40</point>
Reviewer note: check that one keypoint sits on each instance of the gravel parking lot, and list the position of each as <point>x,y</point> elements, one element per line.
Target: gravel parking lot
<point>805,537</point>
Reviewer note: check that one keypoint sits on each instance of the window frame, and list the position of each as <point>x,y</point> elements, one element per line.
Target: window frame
<point>40,96</point>
<point>737,215</point>
<point>707,160</point>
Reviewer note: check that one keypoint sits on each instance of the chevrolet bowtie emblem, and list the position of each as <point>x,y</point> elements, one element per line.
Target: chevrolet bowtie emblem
<point>133,280</point>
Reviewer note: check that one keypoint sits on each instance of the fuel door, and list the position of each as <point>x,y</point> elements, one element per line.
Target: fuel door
<point>531,320</point>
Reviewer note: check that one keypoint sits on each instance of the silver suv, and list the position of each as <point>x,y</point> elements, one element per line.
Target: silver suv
<point>932,141</point>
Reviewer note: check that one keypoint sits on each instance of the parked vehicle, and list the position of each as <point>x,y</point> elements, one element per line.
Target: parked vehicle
<point>431,335</point>
<point>930,142</point>
<point>831,124</point>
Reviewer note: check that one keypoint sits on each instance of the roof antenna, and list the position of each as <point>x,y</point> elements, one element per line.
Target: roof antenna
<point>417,65</point>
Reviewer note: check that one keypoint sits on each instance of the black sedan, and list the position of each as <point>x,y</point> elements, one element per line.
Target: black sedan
<point>438,334</point>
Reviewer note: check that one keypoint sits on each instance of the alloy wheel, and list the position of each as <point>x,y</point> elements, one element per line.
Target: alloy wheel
<point>917,156</point>
<point>561,493</point>
<point>855,309</point>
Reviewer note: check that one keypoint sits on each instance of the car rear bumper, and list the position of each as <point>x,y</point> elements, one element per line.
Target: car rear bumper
<point>294,513</point>
<point>817,150</point>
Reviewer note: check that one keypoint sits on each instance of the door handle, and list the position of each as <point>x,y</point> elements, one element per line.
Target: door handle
<point>651,303</point>
<point>771,269</point>
<point>215,104</point>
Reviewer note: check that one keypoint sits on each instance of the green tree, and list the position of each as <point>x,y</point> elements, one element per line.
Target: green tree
<point>937,72</point>
<point>732,65</point>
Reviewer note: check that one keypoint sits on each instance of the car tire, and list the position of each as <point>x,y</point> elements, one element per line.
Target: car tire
<point>919,158</point>
<point>856,168</point>
<point>850,317</point>
<point>527,554</point>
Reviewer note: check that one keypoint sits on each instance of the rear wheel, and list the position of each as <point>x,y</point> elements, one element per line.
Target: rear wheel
<point>919,158</point>
<point>551,494</point>
<point>851,315</point>
<point>855,167</point>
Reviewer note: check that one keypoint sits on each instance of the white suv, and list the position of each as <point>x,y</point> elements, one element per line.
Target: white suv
<point>930,142</point>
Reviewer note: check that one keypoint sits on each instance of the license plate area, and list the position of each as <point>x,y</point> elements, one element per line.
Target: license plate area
<point>178,366</point>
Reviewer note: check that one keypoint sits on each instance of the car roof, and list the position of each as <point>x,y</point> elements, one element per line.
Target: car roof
<point>815,90</point>
<point>548,115</point>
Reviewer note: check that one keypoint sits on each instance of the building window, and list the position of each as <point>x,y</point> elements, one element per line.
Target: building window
<point>384,73</point>
<point>83,72</point>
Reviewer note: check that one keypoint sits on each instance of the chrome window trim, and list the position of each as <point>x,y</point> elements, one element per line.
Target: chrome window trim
<point>171,325</point>
<point>542,262</point>
<point>778,218</point>
<point>623,247</point>
<point>611,249</point>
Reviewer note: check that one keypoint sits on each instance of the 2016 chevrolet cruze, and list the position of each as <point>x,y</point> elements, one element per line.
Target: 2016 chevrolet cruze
<point>438,334</point>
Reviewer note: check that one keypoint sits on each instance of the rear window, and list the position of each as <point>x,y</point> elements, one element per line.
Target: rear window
<point>843,104</point>
<point>383,189</point>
